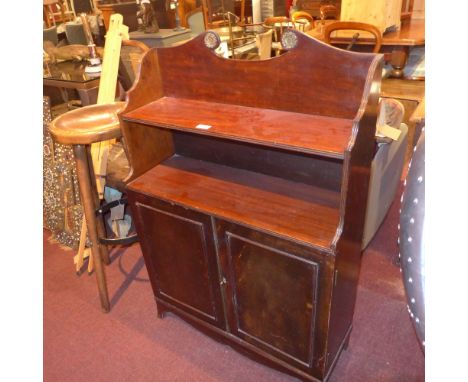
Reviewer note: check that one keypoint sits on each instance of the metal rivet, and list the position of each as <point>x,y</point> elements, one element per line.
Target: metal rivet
<point>415,200</point>
<point>420,179</point>
<point>410,239</point>
<point>411,220</point>
<point>410,280</point>
<point>413,300</point>
<point>410,260</point>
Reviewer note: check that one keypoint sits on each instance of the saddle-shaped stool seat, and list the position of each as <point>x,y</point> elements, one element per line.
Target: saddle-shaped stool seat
<point>87,125</point>
<point>81,128</point>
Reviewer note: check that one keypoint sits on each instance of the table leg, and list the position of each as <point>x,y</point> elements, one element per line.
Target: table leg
<point>398,61</point>
<point>87,200</point>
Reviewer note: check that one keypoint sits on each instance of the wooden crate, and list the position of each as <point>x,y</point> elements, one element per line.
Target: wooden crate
<point>384,14</point>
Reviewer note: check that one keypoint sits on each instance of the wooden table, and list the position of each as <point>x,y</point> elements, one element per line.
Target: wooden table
<point>71,75</point>
<point>162,38</point>
<point>397,43</point>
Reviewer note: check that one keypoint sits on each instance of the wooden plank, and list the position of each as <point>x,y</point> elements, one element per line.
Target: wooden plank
<point>295,210</point>
<point>403,89</point>
<point>306,133</point>
<point>108,83</point>
<point>419,115</point>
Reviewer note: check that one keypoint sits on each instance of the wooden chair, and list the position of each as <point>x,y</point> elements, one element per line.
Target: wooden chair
<point>328,12</point>
<point>278,24</point>
<point>263,44</point>
<point>53,8</point>
<point>352,26</point>
<point>303,21</point>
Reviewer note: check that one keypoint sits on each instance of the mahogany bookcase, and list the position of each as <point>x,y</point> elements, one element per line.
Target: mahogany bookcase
<point>248,186</point>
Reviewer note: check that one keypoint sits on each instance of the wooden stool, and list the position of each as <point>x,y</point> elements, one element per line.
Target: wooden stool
<point>81,128</point>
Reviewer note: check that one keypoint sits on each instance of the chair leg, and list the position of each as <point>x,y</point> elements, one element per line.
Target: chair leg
<point>87,200</point>
<point>101,230</point>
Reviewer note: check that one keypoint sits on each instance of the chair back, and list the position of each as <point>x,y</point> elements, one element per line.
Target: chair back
<point>75,34</point>
<point>82,6</point>
<point>328,12</point>
<point>194,20</point>
<point>50,34</point>
<point>355,27</point>
<point>303,21</point>
<point>263,43</point>
<point>278,24</point>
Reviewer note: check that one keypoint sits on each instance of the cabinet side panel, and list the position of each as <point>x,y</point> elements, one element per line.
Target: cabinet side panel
<point>348,250</point>
<point>146,146</point>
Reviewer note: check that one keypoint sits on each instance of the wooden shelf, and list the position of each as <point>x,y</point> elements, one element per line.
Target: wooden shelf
<point>289,130</point>
<point>295,210</point>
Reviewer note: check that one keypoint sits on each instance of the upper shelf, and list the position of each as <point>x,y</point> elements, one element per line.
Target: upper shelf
<point>288,130</point>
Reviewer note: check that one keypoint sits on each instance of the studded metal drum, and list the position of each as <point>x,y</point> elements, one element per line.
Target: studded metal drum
<point>412,239</point>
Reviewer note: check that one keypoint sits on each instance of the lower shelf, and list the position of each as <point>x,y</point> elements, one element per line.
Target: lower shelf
<point>291,209</point>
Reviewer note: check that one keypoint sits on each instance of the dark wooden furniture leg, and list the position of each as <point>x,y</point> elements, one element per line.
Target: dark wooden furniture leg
<point>101,231</point>
<point>88,96</point>
<point>398,61</point>
<point>87,197</point>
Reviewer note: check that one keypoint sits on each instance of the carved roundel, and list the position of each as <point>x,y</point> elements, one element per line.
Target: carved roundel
<point>211,40</point>
<point>289,40</point>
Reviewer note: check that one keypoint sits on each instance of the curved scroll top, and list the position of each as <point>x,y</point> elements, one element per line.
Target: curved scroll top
<point>289,39</point>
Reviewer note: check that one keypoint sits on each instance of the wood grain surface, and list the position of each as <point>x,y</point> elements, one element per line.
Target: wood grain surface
<point>294,131</point>
<point>295,210</point>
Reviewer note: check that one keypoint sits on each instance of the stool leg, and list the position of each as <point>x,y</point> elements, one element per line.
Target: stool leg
<point>87,199</point>
<point>99,221</point>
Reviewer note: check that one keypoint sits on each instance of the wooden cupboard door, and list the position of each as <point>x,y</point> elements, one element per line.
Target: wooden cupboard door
<point>179,252</point>
<point>273,296</point>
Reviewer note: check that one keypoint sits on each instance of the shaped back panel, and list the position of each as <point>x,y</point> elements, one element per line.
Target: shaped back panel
<point>312,78</point>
